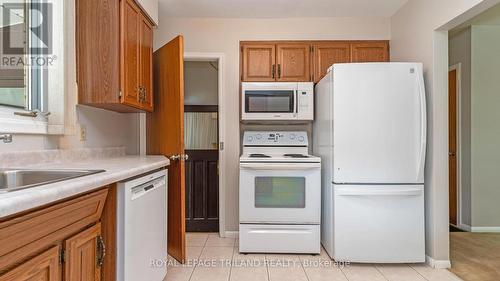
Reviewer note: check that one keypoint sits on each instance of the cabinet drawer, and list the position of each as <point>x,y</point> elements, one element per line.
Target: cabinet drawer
<point>29,233</point>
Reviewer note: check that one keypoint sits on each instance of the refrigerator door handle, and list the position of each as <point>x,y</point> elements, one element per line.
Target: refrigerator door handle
<point>373,191</point>
<point>423,127</point>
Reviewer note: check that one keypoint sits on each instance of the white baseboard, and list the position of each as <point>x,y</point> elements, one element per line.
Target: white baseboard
<point>437,263</point>
<point>232,234</point>
<point>464,227</point>
<point>488,229</point>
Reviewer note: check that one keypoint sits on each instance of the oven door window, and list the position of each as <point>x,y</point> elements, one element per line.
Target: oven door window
<point>280,192</point>
<point>269,101</point>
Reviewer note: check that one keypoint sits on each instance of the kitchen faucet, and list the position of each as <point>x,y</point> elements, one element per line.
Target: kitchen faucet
<point>6,138</point>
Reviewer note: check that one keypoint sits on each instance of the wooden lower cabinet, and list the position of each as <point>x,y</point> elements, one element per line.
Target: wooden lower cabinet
<point>44,267</point>
<point>59,242</point>
<point>84,255</point>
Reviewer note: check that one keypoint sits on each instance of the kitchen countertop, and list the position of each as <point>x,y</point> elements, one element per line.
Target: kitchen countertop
<point>117,169</point>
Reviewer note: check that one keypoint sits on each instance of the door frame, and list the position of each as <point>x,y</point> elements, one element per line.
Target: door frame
<point>220,58</point>
<point>458,68</point>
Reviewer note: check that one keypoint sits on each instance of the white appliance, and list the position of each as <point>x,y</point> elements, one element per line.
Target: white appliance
<point>142,227</point>
<point>277,101</point>
<point>280,194</point>
<point>370,132</point>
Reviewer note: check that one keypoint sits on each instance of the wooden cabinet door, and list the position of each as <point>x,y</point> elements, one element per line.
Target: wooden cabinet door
<point>97,56</point>
<point>44,267</point>
<point>327,53</point>
<point>130,30</point>
<point>293,61</point>
<point>370,51</point>
<point>146,67</point>
<point>82,255</point>
<point>258,62</point>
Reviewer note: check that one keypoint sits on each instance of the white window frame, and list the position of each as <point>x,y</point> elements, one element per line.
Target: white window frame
<point>54,100</point>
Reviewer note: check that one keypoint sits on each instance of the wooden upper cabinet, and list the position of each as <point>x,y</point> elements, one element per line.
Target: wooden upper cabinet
<point>325,54</point>
<point>97,51</point>
<point>258,62</point>
<point>146,64</point>
<point>370,51</point>
<point>293,62</point>
<point>83,255</point>
<point>45,267</point>
<point>114,55</point>
<point>130,50</point>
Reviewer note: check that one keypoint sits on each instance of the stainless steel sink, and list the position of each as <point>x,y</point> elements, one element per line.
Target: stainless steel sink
<point>15,179</point>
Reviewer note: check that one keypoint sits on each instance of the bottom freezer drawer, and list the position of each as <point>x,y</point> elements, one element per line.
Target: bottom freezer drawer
<point>380,224</point>
<point>255,238</point>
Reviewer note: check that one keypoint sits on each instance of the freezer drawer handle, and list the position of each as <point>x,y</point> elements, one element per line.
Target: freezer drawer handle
<point>375,192</point>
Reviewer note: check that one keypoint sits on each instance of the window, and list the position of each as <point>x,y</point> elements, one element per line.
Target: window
<point>21,83</point>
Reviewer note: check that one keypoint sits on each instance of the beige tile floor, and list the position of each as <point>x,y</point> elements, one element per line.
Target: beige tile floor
<point>211,258</point>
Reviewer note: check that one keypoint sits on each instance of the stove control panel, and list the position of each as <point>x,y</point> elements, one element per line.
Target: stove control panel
<point>276,138</point>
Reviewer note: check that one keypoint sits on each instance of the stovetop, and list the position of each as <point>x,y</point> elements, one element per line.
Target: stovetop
<point>291,157</point>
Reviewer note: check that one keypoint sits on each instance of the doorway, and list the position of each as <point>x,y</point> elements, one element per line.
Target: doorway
<point>453,82</point>
<point>203,139</point>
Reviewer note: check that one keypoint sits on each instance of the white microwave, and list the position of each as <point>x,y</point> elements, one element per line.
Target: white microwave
<point>277,101</point>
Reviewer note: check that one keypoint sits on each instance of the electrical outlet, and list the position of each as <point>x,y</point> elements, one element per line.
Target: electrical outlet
<point>83,133</point>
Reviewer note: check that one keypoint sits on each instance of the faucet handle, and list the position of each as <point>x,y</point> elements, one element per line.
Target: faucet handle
<point>7,138</point>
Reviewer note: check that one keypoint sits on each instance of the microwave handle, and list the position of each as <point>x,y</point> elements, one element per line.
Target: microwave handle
<point>296,101</point>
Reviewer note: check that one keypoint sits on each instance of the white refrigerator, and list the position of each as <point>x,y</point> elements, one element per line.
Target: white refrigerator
<point>370,131</point>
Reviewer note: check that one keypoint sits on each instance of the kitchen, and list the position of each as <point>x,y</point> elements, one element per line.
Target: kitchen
<point>313,35</point>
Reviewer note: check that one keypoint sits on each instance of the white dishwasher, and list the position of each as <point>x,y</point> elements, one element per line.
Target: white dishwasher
<point>142,227</point>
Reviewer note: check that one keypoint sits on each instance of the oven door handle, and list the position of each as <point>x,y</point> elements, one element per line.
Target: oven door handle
<point>280,166</point>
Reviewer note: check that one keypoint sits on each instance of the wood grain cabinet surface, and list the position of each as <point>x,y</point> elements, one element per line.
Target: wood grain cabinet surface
<point>258,62</point>
<point>303,61</point>
<point>114,55</point>
<point>293,62</point>
<point>59,242</point>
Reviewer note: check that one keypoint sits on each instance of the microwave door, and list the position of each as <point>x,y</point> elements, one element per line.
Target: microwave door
<point>269,104</point>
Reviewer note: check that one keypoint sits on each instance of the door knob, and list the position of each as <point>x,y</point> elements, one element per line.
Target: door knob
<point>184,157</point>
<point>175,157</point>
<point>451,154</point>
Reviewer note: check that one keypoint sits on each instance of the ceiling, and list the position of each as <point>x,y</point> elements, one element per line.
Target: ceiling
<point>279,8</point>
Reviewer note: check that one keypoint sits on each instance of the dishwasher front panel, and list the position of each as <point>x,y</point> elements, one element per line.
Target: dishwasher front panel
<point>142,228</point>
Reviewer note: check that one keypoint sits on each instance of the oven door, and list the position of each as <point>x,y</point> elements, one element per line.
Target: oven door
<point>288,193</point>
<point>269,101</point>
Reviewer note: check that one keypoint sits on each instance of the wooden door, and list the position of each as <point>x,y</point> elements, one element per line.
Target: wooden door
<point>258,62</point>
<point>146,68</point>
<point>165,135</point>
<point>325,54</point>
<point>202,168</point>
<point>293,61</point>
<point>130,51</point>
<point>452,155</point>
<point>377,51</point>
<point>44,267</point>
<point>82,255</point>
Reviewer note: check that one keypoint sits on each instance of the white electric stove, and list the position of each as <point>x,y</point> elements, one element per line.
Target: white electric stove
<point>280,194</point>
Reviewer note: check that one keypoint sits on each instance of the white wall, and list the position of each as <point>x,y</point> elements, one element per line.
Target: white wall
<point>414,39</point>
<point>200,83</point>
<point>485,126</point>
<point>223,36</point>
<point>460,52</point>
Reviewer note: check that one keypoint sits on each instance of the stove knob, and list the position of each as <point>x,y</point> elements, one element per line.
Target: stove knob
<point>292,136</point>
<point>258,136</point>
<point>301,139</point>
<point>250,138</point>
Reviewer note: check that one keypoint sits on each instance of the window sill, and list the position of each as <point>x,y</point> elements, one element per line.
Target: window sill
<point>9,123</point>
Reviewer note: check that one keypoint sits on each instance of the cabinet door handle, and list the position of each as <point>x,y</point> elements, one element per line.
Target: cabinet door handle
<point>279,70</point>
<point>273,70</point>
